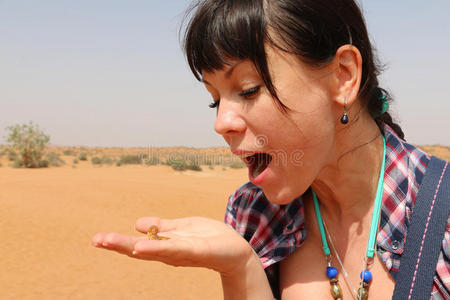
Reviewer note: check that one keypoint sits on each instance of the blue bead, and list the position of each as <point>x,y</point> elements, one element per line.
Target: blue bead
<point>367,276</point>
<point>332,272</point>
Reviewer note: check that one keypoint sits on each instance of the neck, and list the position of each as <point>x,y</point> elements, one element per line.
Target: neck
<point>347,185</point>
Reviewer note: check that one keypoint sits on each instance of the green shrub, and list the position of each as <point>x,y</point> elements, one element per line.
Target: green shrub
<point>211,167</point>
<point>182,165</point>
<point>237,165</point>
<point>75,160</point>
<point>106,160</point>
<point>28,142</point>
<point>152,161</point>
<point>177,165</point>
<point>194,167</point>
<point>17,163</point>
<point>82,156</point>
<point>44,164</point>
<point>101,160</point>
<point>129,159</point>
<point>12,155</point>
<point>96,160</point>
<point>68,152</point>
<point>53,159</point>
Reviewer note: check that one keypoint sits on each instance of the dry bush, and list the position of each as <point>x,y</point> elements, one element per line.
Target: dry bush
<point>53,159</point>
<point>83,156</point>
<point>182,165</point>
<point>69,152</point>
<point>101,160</point>
<point>153,161</point>
<point>237,165</point>
<point>12,155</point>
<point>28,143</point>
<point>129,159</point>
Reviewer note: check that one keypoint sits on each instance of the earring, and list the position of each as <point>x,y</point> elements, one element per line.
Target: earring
<point>344,119</point>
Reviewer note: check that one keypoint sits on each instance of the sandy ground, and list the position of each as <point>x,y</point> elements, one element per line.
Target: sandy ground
<point>48,217</point>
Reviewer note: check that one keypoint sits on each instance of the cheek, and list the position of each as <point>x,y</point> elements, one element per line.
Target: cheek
<point>299,153</point>
<point>310,105</point>
<point>313,123</point>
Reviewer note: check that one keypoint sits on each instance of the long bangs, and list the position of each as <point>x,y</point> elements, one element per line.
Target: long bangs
<point>221,31</point>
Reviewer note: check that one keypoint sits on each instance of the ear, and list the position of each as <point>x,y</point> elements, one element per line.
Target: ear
<point>348,71</point>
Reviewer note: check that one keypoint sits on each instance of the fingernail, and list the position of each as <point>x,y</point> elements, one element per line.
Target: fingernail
<point>105,244</point>
<point>134,252</point>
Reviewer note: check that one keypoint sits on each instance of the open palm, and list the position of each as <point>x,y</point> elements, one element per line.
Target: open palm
<point>194,242</point>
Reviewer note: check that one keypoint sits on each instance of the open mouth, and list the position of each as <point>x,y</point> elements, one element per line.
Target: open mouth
<point>257,163</point>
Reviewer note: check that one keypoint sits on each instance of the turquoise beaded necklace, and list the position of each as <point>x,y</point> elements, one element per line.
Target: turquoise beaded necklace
<point>366,275</point>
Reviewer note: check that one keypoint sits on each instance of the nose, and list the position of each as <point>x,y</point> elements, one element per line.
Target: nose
<point>229,121</point>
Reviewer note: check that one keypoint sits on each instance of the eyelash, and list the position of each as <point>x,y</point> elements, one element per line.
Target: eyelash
<point>250,92</point>
<point>246,94</point>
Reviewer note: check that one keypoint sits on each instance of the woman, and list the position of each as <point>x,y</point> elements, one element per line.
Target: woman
<point>295,86</point>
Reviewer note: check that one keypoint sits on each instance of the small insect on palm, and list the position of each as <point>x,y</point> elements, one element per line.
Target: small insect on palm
<point>152,233</point>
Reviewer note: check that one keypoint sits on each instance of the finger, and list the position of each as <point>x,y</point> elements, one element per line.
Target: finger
<point>117,242</point>
<point>164,248</point>
<point>97,239</point>
<point>143,224</point>
<point>174,252</point>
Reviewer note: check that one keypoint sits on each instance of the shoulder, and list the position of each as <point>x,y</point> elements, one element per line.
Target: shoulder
<point>405,168</point>
<point>274,231</point>
<point>404,159</point>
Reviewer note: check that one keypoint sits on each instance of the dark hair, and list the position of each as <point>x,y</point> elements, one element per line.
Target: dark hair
<point>220,30</point>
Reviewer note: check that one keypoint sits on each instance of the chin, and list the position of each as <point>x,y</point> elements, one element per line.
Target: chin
<point>280,196</point>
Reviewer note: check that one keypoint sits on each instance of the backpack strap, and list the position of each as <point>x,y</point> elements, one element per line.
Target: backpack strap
<point>425,233</point>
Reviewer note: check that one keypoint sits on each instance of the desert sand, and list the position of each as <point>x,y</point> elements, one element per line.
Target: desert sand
<point>48,217</point>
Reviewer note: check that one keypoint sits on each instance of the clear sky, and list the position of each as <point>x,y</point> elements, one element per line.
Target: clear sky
<point>112,73</point>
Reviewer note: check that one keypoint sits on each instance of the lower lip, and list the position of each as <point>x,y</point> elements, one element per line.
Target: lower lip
<point>260,178</point>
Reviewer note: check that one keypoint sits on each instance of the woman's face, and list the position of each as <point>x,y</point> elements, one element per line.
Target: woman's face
<point>299,142</point>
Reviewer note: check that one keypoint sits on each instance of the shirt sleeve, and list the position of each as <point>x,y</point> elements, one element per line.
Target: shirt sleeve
<point>274,231</point>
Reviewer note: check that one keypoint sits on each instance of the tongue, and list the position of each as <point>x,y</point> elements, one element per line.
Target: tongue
<point>262,160</point>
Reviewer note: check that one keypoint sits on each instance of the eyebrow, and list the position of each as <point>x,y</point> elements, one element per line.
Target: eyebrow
<point>228,73</point>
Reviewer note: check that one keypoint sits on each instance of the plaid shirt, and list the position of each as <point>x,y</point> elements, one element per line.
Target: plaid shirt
<point>275,231</point>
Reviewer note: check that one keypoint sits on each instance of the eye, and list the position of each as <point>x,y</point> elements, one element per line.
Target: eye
<point>214,104</point>
<point>250,93</point>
